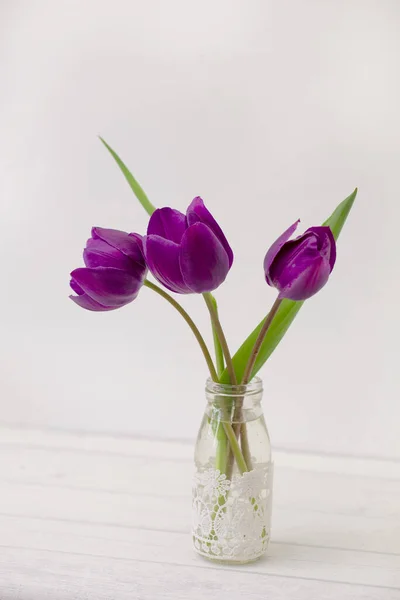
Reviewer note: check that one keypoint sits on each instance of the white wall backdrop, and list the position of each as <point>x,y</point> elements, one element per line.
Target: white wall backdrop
<point>271,110</point>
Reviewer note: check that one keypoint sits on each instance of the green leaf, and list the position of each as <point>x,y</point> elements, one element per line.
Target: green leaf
<point>135,187</point>
<point>340,214</point>
<point>286,312</point>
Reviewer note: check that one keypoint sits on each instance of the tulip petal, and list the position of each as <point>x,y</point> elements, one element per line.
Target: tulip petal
<point>274,249</point>
<point>126,243</point>
<point>198,212</point>
<point>326,243</point>
<point>293,258</point>
<point>308,282</point>
<point>204,261</point>
<point>162,257</point>
<point>167,223</point>
<point>108,286</point>
<point>99,253</point>
<point>139,240</point>
<point>84,301</point>
<point>77,288</point>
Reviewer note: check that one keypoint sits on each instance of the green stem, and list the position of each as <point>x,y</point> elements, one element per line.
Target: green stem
<point>221,336</point>
<point>191,324</point>
<point>260,338</point>
<point>245,446</point>
<point>234,444</point>
<point>232,432</point>
<point>222,448</point>
<point>219,355</point>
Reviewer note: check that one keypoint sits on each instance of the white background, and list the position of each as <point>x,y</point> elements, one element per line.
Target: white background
<point>271,110</point>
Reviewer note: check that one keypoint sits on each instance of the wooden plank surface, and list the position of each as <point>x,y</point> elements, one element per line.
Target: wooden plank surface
<point>91,517</point>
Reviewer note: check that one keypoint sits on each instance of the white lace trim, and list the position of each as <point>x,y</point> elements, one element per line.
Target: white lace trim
<point>231,519</point>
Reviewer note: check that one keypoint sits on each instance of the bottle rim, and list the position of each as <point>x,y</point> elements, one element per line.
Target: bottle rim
<point>255,386</point>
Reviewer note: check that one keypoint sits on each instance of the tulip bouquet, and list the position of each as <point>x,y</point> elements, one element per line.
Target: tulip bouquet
<point>189,254</point>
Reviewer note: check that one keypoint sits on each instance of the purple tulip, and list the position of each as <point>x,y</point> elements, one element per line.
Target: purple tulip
<point>299,268</point>
<point>187,253</point>
<point>114,273</point>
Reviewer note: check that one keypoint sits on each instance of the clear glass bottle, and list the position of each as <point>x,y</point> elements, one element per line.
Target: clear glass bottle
<point>232,489</point>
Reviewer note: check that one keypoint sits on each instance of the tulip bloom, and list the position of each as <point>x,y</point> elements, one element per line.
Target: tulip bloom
<point>187,253</point>
<point>114,273</point>
<point>299,268</point>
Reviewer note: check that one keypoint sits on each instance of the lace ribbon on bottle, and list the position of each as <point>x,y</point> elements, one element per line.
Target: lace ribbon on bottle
<point>231,518</point>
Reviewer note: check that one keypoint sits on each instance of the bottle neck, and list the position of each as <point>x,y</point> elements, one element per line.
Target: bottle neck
<point>234,403</point>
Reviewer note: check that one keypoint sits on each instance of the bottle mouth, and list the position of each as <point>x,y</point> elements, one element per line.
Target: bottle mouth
<point>254,387</point>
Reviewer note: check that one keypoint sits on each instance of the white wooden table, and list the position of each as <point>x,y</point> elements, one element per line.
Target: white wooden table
<point>96,518</point>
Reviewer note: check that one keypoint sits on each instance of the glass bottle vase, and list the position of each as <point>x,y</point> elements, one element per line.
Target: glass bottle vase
<point>232,487</point>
